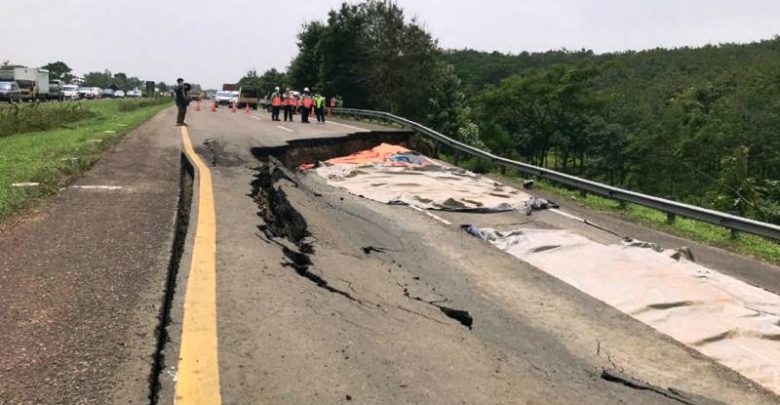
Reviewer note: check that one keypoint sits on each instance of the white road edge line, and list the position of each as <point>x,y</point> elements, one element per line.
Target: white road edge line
<point>96,187</point>
<point>436,217</point>
<point>345,125</point>
<point>567,215</point>
<point>284,128</point>
<point>254,117</point>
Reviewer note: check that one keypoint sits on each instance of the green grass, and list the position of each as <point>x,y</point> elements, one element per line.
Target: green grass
<point>45,157</point>
<point>745,244</point>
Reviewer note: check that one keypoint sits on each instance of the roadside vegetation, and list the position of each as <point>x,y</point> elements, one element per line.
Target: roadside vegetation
<point>22,118</point>
<point>52,156</point>
<point>696,125</point>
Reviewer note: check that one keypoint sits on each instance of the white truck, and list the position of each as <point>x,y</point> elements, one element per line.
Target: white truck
<point>33,82</point>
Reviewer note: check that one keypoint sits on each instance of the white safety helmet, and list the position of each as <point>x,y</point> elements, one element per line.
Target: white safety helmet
<point>276,88</point>
<point>306,89</point>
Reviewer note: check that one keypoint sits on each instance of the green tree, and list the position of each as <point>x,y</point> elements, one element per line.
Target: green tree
<point>305,67</point>
<point>99,79</point>
<point>265,82</point>
<point>59,71</point>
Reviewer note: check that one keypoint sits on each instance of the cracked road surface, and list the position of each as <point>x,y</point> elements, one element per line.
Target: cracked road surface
<point>325,297</point>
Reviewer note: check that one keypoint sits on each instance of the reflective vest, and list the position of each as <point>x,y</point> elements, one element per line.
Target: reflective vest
<point>319,102</point>
<point>276,101</point>
<point>290,101</point>
<point>333,102</point>
<point>307,102</point>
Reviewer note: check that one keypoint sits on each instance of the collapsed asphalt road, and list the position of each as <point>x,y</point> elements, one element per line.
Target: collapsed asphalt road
<point>325,297</point>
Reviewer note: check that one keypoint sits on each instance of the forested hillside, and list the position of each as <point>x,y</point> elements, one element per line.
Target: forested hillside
<point>695,125</point>
<point>698,125</point>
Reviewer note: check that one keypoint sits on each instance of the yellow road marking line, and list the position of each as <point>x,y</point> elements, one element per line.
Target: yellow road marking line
<point>198,370</point>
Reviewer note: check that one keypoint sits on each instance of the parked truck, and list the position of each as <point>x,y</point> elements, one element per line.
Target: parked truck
<point>248,95</point>
<point>34,83</point>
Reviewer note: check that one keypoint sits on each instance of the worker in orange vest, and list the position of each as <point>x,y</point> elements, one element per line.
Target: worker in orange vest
<point>306,103</point>
<point>332,105</point>
<point>276,104</point>
<point>289,105</point>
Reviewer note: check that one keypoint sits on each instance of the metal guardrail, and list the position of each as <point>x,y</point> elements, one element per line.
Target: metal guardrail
<point>670,207</point>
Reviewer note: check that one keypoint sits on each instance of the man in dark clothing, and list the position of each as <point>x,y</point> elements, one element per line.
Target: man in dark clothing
<point>182,100</point>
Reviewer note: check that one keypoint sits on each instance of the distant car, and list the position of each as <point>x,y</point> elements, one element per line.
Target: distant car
<point>119,94</point>
<point>90,93</point>
<point>234,97</point>
<point>134,93</point>
<point>107,93</point>
<point>55,90</point>
<point>9,91</point>
<point>70,92</point>
<point>223,97</point>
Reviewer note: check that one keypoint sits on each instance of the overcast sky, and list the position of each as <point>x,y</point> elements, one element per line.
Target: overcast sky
<point>216,41</point>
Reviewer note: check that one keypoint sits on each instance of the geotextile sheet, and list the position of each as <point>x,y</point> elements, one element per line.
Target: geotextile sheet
<point>394,175</point>
<point>724,318</point>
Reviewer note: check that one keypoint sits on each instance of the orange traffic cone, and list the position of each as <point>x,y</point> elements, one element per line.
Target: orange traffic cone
<point>213,106</point>
<point>197,105</point>
<point>233,107</point>
<point>247,108</point>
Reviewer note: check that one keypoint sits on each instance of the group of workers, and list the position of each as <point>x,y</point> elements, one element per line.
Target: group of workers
<point>291,102</point>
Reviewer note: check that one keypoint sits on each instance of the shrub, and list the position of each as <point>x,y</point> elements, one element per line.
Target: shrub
<point>15,118</point>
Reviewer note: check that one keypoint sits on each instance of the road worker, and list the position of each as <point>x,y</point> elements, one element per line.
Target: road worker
<point>332,105</point>
<point>276,104</point>
<point>306,103</point>
<point>289,105</point>
<point>319,107</point>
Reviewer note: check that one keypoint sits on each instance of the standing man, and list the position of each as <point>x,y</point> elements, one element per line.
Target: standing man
<point>319,107</point>
<point>182,101</point>
<point>289,105</point>
<point>276,104</point>
<point>306,104</point>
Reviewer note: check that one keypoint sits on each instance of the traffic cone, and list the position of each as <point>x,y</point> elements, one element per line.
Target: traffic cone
<point>213,106</point>
<point>247,108</point>
<point>233,107</point>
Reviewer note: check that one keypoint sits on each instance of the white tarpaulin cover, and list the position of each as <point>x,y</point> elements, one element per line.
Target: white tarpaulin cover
<point>401,177</point>
<point>724,318</point>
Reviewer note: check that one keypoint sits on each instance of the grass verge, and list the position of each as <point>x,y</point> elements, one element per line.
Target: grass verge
<point>53,157</point>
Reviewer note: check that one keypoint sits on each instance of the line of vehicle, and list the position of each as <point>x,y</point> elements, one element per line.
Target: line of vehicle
<point>198,368</point>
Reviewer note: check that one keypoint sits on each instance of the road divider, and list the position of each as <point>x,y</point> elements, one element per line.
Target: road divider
<point>198,368</point>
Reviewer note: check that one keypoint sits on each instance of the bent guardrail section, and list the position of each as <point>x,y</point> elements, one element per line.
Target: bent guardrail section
<point>725,220</point>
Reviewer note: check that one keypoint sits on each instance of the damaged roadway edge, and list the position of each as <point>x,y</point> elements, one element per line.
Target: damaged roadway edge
<point>671,393</point>
<point>285,222</point>
<point>180,235</point>
<point>282,221</point>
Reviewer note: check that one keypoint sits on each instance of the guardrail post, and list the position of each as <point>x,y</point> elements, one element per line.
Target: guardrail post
<point>456,159</point>
<point>583,194</point>
<point>670,218</point>
<point>734,234</point>
<point>503,170</point>
<point>622,204</point>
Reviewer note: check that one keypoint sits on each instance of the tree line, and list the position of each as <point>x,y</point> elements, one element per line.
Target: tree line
<point>693,124</point>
